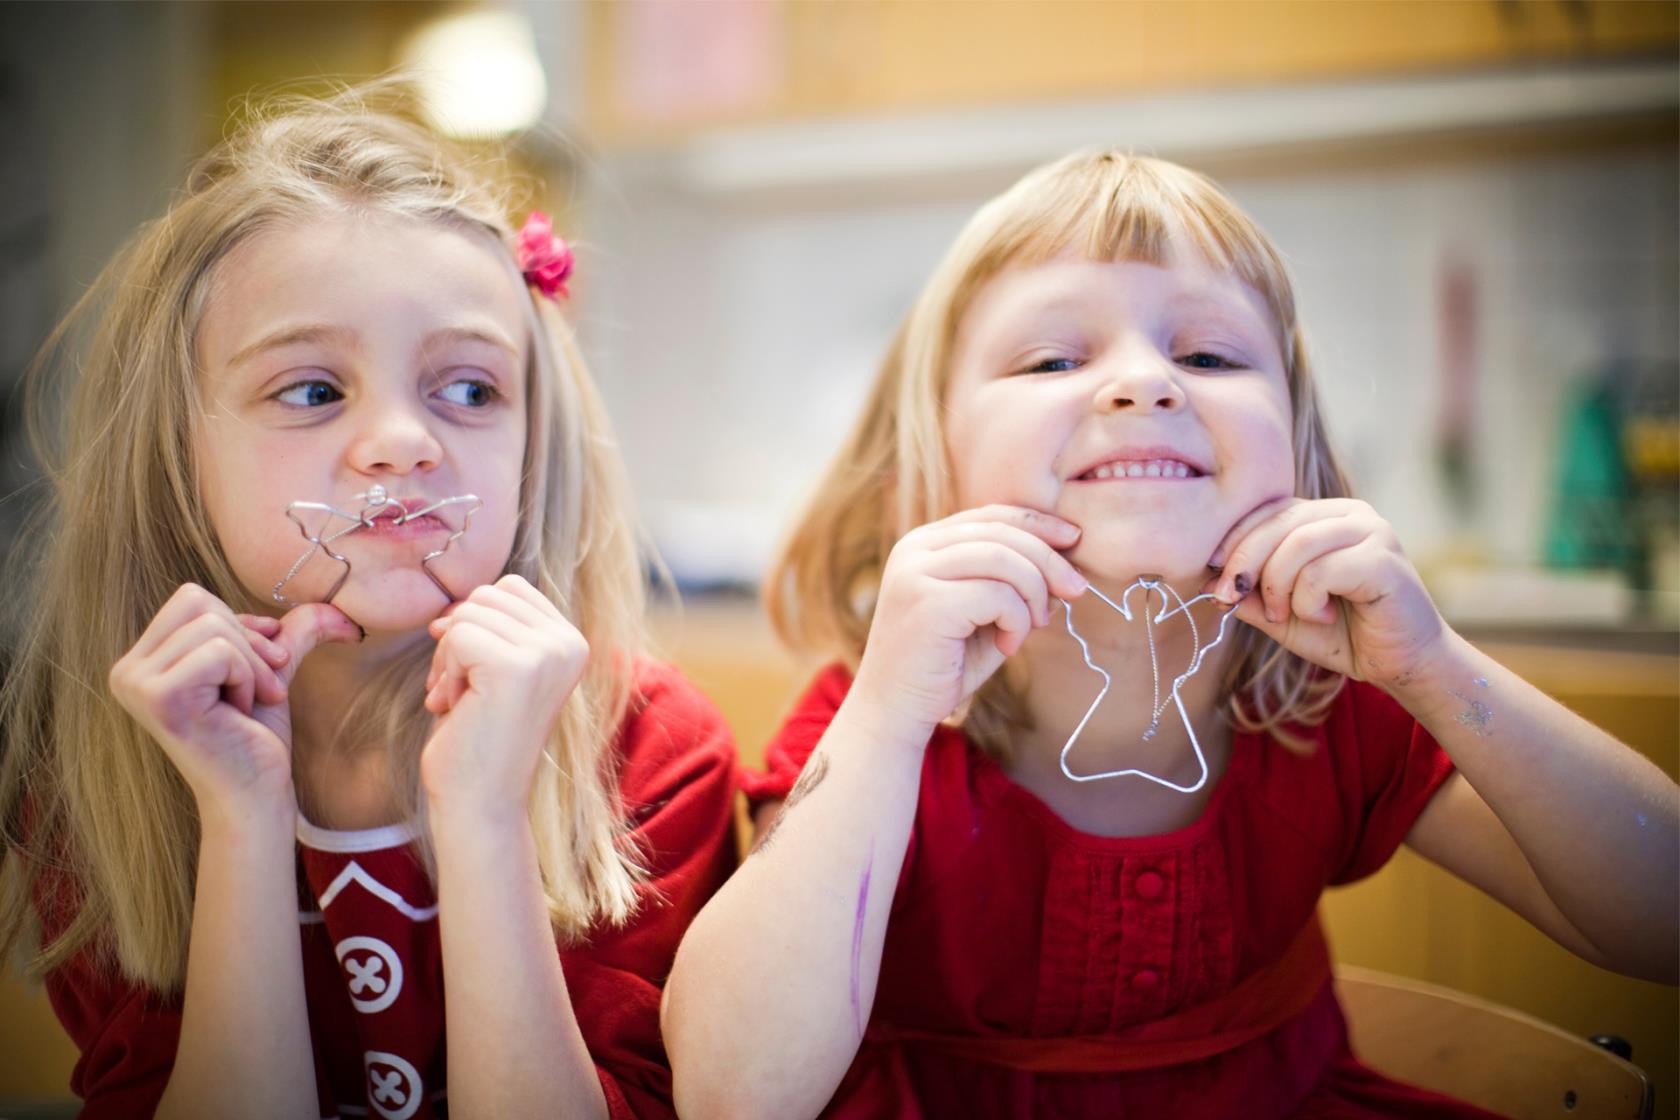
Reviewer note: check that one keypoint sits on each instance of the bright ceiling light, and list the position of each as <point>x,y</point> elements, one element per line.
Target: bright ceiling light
<point>478,74</point>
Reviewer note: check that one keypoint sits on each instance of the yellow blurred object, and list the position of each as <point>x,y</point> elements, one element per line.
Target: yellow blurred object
<point>1652,445</point>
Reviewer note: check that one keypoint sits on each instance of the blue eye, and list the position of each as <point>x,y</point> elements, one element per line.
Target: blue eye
<point>1053,365</point>
<point>469,393</point>
<point>309,394</point>
<point>1201,359</point>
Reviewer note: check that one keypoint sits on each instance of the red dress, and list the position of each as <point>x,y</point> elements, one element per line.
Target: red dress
<point>1032,970</point>
<point>373,970</point>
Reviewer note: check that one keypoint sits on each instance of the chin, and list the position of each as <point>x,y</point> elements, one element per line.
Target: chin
<point>391,603</point>
<point>1117,557</point>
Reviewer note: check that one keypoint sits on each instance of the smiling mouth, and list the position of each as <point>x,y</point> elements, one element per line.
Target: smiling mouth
<point>1169,469</point>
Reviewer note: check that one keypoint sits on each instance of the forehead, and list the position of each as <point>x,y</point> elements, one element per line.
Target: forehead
<point>1183,281</point>
<point>367,272</point>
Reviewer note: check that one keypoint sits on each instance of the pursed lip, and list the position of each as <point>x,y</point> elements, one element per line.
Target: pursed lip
<point>396,518</point>
<point>1155,461</point>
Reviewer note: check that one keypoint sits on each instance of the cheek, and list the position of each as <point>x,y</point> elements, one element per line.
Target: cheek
<point>1004,451</point>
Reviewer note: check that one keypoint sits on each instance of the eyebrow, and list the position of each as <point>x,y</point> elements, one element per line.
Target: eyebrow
<point>345,336</point>
<point>293,336</point>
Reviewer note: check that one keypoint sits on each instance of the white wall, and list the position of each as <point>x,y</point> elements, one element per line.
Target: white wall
<point>735,333</point>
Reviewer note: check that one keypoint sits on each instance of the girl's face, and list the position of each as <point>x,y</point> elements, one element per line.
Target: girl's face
<point>347,352</point>
<point>1146,404</point>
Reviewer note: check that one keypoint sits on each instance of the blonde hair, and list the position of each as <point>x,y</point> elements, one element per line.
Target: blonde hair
<point>893,473</point>
<point>89,800</point>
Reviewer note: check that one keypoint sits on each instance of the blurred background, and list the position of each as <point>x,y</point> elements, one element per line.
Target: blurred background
<point>1477,199</point>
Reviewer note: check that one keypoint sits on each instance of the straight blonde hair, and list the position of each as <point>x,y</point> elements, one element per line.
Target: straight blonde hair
<point>893,472</point>
<point>101,833</point>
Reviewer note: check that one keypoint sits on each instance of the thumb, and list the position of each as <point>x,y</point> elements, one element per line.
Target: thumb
<point>307,626</point>
<point>1252,610</point>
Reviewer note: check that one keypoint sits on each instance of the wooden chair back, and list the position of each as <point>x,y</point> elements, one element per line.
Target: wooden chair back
<point>1484,1053</point>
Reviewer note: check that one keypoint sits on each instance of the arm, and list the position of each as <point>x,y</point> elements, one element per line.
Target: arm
<point>1553,817</point>
<point>244,1047</point>
<point>211,689</point>
<point>506,661</point>
<point>806,916</point>
<point>1560,821</point>
<point>515,1048</point>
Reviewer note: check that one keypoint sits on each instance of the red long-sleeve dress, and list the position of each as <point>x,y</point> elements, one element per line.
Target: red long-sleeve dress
<point>372,965</point>
<point>1033,970</point>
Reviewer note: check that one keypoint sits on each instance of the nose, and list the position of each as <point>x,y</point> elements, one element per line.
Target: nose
<point>1139,380</point>
<point>394,438</point>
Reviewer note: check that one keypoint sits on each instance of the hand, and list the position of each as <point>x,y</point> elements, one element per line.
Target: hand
<point>211,687</point>
<point>1328,581</point>
<point>957,597</point>
<point>505,663</point>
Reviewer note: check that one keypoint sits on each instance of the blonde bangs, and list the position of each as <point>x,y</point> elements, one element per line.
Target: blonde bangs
<point>892,472</point>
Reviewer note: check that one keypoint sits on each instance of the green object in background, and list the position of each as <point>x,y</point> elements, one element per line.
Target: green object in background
<point>1591,523</point>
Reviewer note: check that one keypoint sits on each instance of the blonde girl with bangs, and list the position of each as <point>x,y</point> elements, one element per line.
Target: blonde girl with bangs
<point>979,892</point>
<point>250,845</point>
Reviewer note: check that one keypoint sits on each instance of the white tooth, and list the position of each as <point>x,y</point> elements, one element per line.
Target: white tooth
<point>1103,472</point>
<point>1153,470</point>
<point>1134,470</point>
<point>1180,471</point>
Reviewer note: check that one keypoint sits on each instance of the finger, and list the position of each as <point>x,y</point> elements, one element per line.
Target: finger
<point>307,626</point>
<point>240,687</point>
<point>491,619</point>
<point>187,603</point>
<point>212,627</point>
<point>986,603</point>
<point>467,650</point>
<point>1056,531</point>
<point>213,669</point>
<point>1063,578</point>
<point>1244,524</point>
<point>507,602</point>
<point>1250,552</point>
<point>986,560</point>
<point>1309,600</point>
<point>1299,547</point>
<point>519,587</point>
<point>272,652</point>
<point>1361,574</point>
<point>266,625</point>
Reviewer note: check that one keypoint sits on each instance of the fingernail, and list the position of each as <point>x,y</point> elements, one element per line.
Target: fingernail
<point>1242,583</point>
<point>281,653</point>
<point>1212,567</point>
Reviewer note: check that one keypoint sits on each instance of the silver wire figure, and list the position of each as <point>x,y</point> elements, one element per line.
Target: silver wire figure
<point>1169,596</point>
<point>375,500</point>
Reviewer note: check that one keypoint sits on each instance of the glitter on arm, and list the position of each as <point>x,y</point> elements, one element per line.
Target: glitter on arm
<point>1476,714</point>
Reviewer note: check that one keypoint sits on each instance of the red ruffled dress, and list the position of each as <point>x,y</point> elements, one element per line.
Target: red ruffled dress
<point>373,970</point>
<point>1032,970</point>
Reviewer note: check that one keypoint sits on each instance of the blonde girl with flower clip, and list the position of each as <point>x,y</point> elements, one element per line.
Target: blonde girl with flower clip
<point>428,847</point>
<point>959,914</point>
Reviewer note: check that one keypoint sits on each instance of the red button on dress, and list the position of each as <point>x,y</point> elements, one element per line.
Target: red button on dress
<point>1149,885</point>
<point>1146,980</point>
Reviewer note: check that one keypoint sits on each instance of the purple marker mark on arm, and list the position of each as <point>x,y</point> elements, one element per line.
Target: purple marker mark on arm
<point>858,1016</point>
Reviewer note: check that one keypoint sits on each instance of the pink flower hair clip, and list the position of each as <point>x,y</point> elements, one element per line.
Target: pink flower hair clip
<point>545,259</point>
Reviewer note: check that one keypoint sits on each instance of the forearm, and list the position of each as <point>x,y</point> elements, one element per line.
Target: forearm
<point>245,1047</point>
<point>1598,824</point>
<point>805,919</point>
<point>514,1045</point>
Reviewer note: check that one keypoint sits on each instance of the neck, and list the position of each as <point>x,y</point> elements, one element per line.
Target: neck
<point>329,681</point>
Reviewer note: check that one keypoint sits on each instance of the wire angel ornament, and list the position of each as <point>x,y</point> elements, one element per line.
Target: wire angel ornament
<point>1172,603</point>
<point>376,501</point>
